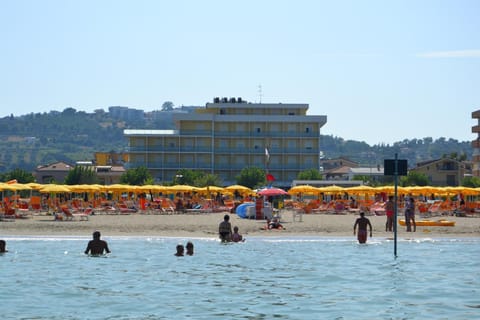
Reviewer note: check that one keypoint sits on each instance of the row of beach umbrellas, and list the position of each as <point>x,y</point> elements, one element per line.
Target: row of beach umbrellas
<point>81,188</point>
<point>300,189</point>
<point>368,190</point>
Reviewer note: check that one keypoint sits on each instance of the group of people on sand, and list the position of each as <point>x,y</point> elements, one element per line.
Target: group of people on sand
<point>225,231</point>
<point>409,214</point>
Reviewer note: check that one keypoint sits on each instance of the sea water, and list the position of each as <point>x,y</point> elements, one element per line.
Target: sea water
<point>262,278</point>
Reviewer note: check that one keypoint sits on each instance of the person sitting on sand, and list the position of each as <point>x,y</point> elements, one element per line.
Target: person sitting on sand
<point>189,247</point>
<point>237,237</point>
<point>3,246</point>
<point>225,229</point>
<point>275,224</point>
<point>96,246</point>
<point>180,250</point>
<point>362,224</point>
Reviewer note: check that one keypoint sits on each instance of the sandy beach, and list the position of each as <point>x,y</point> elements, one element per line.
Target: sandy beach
<point>206,225</point>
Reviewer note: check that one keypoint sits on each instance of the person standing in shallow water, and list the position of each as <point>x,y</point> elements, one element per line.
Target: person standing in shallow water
<point>180,250</point>
<point>236,237</point>
<point>389,212</point>
<point>96,246</point>
<point>225,229</point>
<point>189,248</point>
<point>3,246</point>
<point>362,224</point>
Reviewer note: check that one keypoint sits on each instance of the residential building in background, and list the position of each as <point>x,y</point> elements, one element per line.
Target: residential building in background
<point>442,172</point>
<point>229,135</point>
<point>55,172</point>
<point>126,113</point>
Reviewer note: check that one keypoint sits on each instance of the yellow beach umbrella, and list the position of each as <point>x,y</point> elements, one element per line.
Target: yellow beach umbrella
<point>84,188</point>
<point>209,189</point>
<point>391,189</point>
<point>361,190</point>
<point>152,188</point>
<point>303,189</point>
<point>181,188</point>
<point>331,189</point>
<point>54,188</point>
<point>239,189</point>
<point>34,185</point>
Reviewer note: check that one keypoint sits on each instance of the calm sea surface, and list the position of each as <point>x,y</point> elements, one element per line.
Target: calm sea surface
<point>263,278</point>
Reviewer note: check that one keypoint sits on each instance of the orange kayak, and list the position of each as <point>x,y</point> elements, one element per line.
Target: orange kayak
<point>431,223</point>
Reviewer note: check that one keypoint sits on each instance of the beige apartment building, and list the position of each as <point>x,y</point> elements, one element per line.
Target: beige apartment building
<point>228,135</point>
<point>476,145</point>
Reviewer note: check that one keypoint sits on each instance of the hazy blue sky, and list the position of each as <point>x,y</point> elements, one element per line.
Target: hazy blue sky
<point>381,71</point>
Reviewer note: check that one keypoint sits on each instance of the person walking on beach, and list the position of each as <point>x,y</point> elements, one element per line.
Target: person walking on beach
<point>389,212</point>
<point>225,229</point>
<point>96,246</point>
<point>410,215</point>
<point>362,224</point>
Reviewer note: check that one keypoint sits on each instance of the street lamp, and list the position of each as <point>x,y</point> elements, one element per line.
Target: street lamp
<point>178,179</point>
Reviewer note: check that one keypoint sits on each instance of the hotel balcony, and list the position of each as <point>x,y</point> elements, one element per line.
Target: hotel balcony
<point>476,144</point>
<point>259,150</point>
<point>476,129</point>
<point>476,114</point>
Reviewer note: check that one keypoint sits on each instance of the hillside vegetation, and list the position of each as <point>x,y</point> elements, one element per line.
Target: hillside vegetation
<point>42,138</point>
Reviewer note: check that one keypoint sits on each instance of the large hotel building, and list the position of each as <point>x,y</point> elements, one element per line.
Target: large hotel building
<point>229,135</point>
<point>476,145</point>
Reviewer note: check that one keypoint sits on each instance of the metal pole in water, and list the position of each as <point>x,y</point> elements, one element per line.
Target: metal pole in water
<point>395,208</point>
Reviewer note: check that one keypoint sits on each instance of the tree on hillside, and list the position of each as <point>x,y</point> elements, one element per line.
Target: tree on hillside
<point>251,177</point>
<point>167,106</point>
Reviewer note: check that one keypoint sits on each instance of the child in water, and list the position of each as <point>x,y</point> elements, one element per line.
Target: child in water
<point>237,237</point>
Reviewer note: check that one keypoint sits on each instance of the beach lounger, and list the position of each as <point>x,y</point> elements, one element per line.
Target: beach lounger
<point>81,215</point>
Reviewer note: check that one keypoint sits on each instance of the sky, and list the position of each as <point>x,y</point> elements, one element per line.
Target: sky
<point>381,71</point>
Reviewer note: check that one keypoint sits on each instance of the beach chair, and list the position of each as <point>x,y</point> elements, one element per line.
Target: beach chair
<point>8,214</point>
<point>81,215</point>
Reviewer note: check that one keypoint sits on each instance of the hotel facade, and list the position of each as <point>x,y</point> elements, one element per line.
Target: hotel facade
<point>229,135</point>
<point>476,145</point>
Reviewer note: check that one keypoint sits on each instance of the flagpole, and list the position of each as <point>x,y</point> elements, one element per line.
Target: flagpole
<point>267,161</point>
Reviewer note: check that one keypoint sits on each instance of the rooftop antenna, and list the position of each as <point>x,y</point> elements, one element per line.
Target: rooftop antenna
<point>260,92</point>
